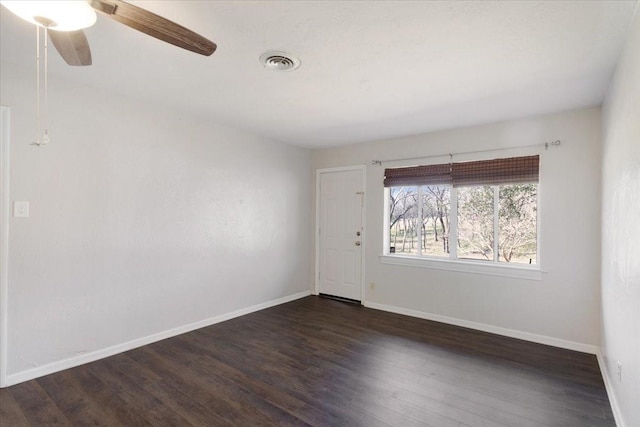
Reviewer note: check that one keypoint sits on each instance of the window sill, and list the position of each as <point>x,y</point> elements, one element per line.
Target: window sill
<point>475,267</point>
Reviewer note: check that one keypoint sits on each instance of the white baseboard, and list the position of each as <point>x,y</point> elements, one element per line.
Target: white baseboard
<point>72,362</point>
<point>608,384</point>
<point>527,336</point>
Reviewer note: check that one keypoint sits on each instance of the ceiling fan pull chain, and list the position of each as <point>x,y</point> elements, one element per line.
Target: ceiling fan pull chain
<point>45,136</point>
<point>37,141</point>
<point>42,120</point>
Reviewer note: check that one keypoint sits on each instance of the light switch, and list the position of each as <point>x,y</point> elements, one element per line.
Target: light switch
<point>21,209</point>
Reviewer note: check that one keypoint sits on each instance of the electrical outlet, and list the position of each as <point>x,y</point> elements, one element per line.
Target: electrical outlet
<point>372,286</point>
<point>619,371</point>
<point>21,209</point>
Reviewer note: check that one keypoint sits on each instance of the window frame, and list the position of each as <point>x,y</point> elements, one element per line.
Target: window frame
<point>452,262</point>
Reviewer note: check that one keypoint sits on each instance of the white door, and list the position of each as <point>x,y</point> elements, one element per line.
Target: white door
<point>340,205</point>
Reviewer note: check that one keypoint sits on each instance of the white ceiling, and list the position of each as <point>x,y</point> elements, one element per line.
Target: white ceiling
<point>370,69</point>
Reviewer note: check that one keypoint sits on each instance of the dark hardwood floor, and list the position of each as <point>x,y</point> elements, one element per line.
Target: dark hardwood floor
<point>320,362</point>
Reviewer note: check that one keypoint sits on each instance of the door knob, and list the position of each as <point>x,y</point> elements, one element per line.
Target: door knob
<point>358,243</point>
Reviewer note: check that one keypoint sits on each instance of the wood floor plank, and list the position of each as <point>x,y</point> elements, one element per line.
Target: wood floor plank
<point>175,399</point>
<point>186,388</point>
<point>318,362</point>
<point>10,411</point>
<point>36,405</point>
<point>116,407</point>
<point>72,401</point>
<point>231,402</point>
<point>120,381</point>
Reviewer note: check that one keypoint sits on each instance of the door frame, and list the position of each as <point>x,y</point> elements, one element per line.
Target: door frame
<point>4,240</point>
<point>319,172</point>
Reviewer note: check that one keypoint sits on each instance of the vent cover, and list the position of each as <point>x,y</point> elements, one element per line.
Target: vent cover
<point>279,61</point>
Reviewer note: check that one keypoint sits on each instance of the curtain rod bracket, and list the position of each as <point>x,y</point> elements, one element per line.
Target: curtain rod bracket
<point>555,143</point>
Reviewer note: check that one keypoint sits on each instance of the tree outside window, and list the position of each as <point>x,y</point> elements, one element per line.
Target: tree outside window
<point>494,223</point>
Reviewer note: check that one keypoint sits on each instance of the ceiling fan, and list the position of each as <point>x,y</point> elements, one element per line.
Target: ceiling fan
<point>66,19</point>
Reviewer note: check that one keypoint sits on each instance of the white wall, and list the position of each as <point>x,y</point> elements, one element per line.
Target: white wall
<point>142,220</point>
<point>621,232</point>
<point>565,305</point>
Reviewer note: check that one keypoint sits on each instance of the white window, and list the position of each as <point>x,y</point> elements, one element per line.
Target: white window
<point>493,223</point>
<point>477,215</point>
<point>419,220</point>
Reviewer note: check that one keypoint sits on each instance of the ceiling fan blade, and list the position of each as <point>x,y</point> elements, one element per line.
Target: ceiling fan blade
<point>154,25</point>
<point>72,46</point>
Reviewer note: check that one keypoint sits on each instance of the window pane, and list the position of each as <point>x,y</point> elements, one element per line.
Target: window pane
<point>517,223</point>
<point>435,220</point>
<point>475,222</point>
<point>403,220</point>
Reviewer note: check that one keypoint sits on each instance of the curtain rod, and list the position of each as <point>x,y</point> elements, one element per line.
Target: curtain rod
<point>546,146</point>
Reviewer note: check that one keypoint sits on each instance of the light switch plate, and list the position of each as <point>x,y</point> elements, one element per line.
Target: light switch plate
<point>21,209</point>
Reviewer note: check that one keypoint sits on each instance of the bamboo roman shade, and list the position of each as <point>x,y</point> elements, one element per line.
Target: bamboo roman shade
<point>513,170</point>
<point>418,175</point>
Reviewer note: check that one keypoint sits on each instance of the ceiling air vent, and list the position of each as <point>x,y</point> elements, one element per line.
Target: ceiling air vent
<point>279,61</point>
